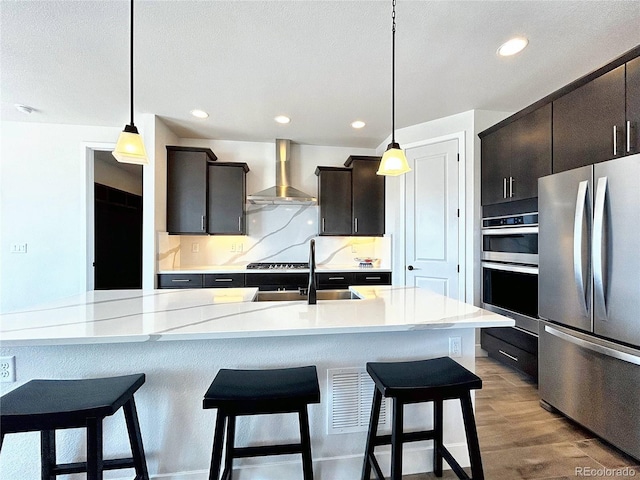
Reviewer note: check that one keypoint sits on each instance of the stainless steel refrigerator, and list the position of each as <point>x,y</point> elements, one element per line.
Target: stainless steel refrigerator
<point>589,298</point>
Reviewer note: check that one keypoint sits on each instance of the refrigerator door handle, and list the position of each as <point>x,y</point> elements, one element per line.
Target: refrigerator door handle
<point>594,347</point>
<point>598,230</point>
<point>581,199</point>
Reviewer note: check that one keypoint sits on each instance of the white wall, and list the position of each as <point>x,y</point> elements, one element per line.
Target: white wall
<point>42,204</point>
<point>111,175</point>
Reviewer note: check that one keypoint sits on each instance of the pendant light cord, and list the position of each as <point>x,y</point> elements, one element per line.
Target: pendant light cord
<point>131,63</point>
<point>393,73</point>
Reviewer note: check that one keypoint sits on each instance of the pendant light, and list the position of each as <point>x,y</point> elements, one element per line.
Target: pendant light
<point>393,161</point>
<point>130,147</point>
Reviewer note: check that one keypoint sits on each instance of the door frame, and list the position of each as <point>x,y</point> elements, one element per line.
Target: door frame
<point>462,233</point>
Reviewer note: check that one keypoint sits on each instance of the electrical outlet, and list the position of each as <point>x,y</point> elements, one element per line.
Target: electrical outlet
<point>195,247</point>
<point>455,347</point>
<point>7,369</point>
<point>240,247</point>
<point>18,248</point>
<point>354,249</point>
<point>233,247</point>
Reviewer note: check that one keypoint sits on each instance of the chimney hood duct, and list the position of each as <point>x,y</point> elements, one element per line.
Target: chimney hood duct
<point>283,193</point>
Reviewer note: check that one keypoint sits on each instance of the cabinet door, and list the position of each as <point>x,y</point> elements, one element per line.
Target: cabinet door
<point>633,107</point>
<point>495,165</point>
<point>584,121</point>
<point>226,200</point>
<point>368,197</point>
<point>334,198</point>
<point>530,153</point>
<point>186,191</point>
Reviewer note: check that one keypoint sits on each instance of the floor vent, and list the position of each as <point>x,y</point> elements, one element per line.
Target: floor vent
<point>349,403</point>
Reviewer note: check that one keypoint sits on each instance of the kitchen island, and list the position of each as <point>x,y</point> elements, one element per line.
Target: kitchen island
<point>180,338</point>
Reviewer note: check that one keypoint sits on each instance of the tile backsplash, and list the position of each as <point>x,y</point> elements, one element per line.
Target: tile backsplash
<point>276,233</point>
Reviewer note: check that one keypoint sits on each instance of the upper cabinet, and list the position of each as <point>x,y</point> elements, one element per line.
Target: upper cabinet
<point>632,144</point>
<point>204,197</point>
<point>226,210</point>
<point>514,156</point>
<point>367,195</point>
<point>187,189</point>
<point>589,122</point>
<point>351,199</point>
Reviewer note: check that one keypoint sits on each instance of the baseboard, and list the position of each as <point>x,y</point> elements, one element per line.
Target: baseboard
<point>415,460</point>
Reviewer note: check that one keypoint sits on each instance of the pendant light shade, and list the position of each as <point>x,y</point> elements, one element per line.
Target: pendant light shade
<point>394,162</point>
<point>130,147</point>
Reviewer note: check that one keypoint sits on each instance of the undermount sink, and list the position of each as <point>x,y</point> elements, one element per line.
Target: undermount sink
<point>292,295</point>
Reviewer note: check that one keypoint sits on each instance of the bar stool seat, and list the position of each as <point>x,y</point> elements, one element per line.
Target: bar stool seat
<point>432,380</point>
<point>50,405</point>
<point>256,392</point>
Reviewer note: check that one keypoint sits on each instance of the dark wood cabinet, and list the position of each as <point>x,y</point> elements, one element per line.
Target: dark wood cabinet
<point>187,189</point>
<point>515,156</point>
<point>589,122</point>
<point>226,209</point>
<point>632,144</point>
<point>334,200</point>
<point>512,347</point>
<point>223,280</point>
<point>346,279</point>
<point>367,196</point>
<point>277,281</point>
<point>180,280</point>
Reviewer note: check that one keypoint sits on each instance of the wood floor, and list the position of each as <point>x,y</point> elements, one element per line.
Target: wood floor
<point>521,440</point>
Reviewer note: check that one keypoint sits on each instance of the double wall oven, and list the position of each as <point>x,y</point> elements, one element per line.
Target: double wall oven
<point>509,263</point>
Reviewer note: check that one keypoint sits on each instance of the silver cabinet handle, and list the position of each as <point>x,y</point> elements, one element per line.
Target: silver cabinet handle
<point>504,187</point>
<point>596,249</point>
<point>372,278</point>
<point>510,187</point>
<point>355,221</point>
<point>615,140</point>
<point>224,279</point>
<point>322,224</point>
<point>202,223</point>
<point>239,224</point>
<point>508,267</point>
<point>581,199</point>
<point>515,359</point>
<point>594,347</point>
<point>336,278</point>
<point>631,134</point>
<point>177,280</point>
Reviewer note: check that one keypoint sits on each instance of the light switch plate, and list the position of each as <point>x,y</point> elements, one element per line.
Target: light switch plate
<point>18,248</point>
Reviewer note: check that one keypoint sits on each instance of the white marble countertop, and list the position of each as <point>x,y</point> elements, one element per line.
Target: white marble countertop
<point>114,316</point>
<point>243,269</point>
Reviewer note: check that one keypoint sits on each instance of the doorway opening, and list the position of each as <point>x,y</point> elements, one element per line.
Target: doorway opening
<point>117,225</point>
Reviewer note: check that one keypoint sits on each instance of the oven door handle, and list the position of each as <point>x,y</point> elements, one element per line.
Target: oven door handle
<point>510,230</point>
<point>578,246</point>
<point>511,268</point>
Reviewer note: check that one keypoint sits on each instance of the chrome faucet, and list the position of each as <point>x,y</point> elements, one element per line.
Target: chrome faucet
<point>311,290</point>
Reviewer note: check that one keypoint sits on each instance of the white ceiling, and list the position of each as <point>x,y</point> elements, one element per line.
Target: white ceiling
<point>323,63</point>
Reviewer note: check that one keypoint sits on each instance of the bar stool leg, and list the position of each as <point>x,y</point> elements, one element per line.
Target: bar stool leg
<point>373,432</point>
<point>47,454</point>
<point>95,463</point>
<point>135,440</point>
<point>305,440</point>
<point>227,473</point>
<point>437,439</point>
<point>218,438</point>
<point>472,437</point>
<point>396,440</point>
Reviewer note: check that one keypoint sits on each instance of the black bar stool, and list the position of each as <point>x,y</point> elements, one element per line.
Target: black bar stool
<point>256,392</point>
<point>50,405</point>
<point>431,380</point>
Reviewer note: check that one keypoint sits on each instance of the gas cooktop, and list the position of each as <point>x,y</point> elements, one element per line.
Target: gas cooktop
<point>278,266</point>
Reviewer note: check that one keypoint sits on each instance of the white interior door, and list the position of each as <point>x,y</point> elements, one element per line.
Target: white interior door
<point>432,218</point>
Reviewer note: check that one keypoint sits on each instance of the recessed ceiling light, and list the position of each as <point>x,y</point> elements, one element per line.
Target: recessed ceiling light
<point>24,108</point>
<point>199,113</point>
<point>358,124</point>
<point>513,46</point>
<point>282,119</point>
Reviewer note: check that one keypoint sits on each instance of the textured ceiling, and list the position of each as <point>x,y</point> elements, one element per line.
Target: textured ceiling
<point>323,63</point>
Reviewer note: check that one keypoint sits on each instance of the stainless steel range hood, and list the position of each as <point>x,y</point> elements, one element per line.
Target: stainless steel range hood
<point>282,193</point>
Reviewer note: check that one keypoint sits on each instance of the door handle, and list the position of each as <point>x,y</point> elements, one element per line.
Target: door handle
<point>581,199</point>
<point>410,267</point>
<point>202,223</point>
<point>504,187</point>
<point>355,222</point>
<point>596,249</point>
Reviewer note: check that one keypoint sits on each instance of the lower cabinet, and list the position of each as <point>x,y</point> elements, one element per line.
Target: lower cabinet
<point>277,281</point>
<point>180,280</point>
<point>512,347</point>
<point>223,280</point>
<point>327,281</point>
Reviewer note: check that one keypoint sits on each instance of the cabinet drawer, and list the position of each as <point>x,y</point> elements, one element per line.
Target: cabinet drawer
<point>223,280</point>
<point>334,280</point>
<point>171,280</point>
<point>510,355</point>
<point>277,281</point>
<point>372,278</point>
<point>524,341</point>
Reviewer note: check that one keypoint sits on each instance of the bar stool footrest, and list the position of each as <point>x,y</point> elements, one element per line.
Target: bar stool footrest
<point>81,467</point>
<point>267,450</point>
<point>406,437</point>
<point>453,463</point>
